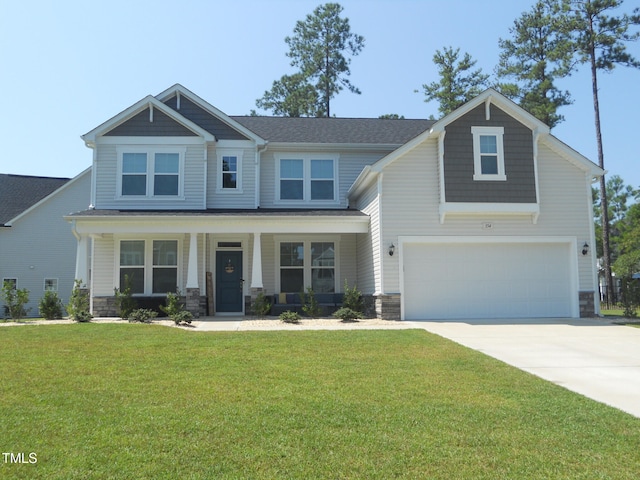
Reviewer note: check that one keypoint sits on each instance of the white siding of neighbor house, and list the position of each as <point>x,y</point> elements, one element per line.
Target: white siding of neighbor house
<point>350,164</point>
<point>411,201</point>
<point>245,199</point>
<point>106,172</point>
<point>40,243</point>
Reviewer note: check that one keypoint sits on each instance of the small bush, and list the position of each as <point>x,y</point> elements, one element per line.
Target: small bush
<point>310,305</point>
<point>142,315</point>
<point>289,316</point>
<point>261,306</point>
<point>352,298</point>
<point>78,306</point>
<point>346,314</point>
<point>50,306</point>
<point>15,300</point>
<point>175,309</point>
<point>124,299</point>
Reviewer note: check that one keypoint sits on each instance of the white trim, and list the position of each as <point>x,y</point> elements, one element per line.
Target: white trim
<point>498,133</point>
<point>472,209</point>
<point>487,240</point>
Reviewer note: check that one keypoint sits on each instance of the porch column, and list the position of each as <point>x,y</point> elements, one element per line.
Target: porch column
<point>82,256</point>
<point>256,267</point>
<point>192,287</point>
<point>192,269</point>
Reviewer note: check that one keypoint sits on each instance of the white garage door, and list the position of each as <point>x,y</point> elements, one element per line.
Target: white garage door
<point>479,280</point>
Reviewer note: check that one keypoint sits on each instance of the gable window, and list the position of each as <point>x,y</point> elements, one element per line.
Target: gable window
<point>488,153</point>
<point>229,171</point>
<point>306,179</point>
<point>150,172</point>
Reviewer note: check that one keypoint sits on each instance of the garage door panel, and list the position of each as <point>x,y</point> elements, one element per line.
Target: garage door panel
<point>487,280</point>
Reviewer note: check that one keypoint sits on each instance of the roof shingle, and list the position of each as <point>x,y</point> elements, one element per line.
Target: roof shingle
<point>20,192</point>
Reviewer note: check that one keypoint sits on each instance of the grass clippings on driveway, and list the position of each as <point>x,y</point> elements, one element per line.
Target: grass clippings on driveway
<point>139,401</point>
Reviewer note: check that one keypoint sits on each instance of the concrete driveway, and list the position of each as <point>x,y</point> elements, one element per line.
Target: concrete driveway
<point>592,357</point>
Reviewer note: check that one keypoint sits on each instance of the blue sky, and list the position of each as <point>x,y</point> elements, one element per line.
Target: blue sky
<point>68,66</point>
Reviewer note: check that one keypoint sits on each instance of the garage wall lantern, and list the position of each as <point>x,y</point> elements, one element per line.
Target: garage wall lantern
<point>392,249</point>
<point>585,248</point>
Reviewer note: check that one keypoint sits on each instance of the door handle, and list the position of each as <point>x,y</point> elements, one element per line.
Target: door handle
<point>241,283</point>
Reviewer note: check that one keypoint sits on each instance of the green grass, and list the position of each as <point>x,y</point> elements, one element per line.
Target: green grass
<point>112,401</point>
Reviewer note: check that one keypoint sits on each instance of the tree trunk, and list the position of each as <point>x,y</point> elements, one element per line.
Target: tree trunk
<point>606,250</point>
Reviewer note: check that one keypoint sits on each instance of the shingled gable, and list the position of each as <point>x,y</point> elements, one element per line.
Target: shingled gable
<point>208,117</point>
<point>19,193</point>
<point>144,111</point>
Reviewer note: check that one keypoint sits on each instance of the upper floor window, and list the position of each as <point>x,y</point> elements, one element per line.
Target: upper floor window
<point>229,171</point>
<point>150,172</point>
<point>488,153</point>
<point>306,179</point>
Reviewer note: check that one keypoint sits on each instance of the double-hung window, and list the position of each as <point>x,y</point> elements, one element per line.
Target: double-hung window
<point>150,172</point>
<point>229,171</point>
<point>488,153</point>
<point>149,266</point>
<point>305,264</point>
<point>307,179</point>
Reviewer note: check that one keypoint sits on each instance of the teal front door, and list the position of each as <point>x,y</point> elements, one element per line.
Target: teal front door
<point>229,282</point>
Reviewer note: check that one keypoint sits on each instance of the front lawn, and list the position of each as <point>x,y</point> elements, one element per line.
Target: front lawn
<point>139,401</point>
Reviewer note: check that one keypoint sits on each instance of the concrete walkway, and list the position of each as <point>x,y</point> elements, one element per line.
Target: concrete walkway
<point>593,357</point>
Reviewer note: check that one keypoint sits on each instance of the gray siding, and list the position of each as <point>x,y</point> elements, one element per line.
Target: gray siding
<point>140,126</point>
<point>41,244</point>
<point>204,119</point>
<point>518,158</point>
<point>245,198</point>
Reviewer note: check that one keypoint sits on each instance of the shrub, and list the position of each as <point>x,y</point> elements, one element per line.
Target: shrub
<point>15,299</point>
<point>175,309</point>
<point>78,306</point>
<point>142,315</point>
<point>624,267</point>
<point>346,314</point>
<point>124,299</point>
<point>261,306</point>
<point>289,316</point>
<point>310,305</point>
<point>51,306</point>
<point>352,298</point>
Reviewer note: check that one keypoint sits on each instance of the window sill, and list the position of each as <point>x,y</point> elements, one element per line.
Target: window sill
<point>489,178</point>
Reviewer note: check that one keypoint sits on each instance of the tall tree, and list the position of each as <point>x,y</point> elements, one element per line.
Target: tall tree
<point>458,83</point>
<point>538,53</point>
<point>321,48</point>
<point>600,40</point>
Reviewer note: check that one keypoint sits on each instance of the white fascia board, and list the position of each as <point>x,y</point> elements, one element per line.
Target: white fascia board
<point>500,101</point>
<point>572,156</point>
<point>211,109</point>
<point>222,224</point>
<point>90,137</point>
<point>48,197</point>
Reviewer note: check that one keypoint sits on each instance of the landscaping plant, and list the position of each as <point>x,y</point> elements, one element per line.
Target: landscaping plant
<point>15,299</point>
<point>142,315</point>
<point>124,299</point>
<point>261,306</point>
<point>175,309</point>
<point>289,316</point>
<point>310,305</point>
<point>50,306</point>
<point>78,306</point>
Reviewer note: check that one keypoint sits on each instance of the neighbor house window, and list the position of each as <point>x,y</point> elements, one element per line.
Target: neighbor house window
<point>50,284</point>
<point>12,281</point>
<point>307,179</point>
<point>150,172</point>
<point>488,153</point>
<point>229,171</point>
<point>304,264</point>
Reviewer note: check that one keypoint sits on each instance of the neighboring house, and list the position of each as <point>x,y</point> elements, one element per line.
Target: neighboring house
<point>481,214</point>
<point>37,249</point>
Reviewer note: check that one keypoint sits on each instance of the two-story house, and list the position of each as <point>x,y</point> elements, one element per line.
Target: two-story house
<point>481,214</point>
